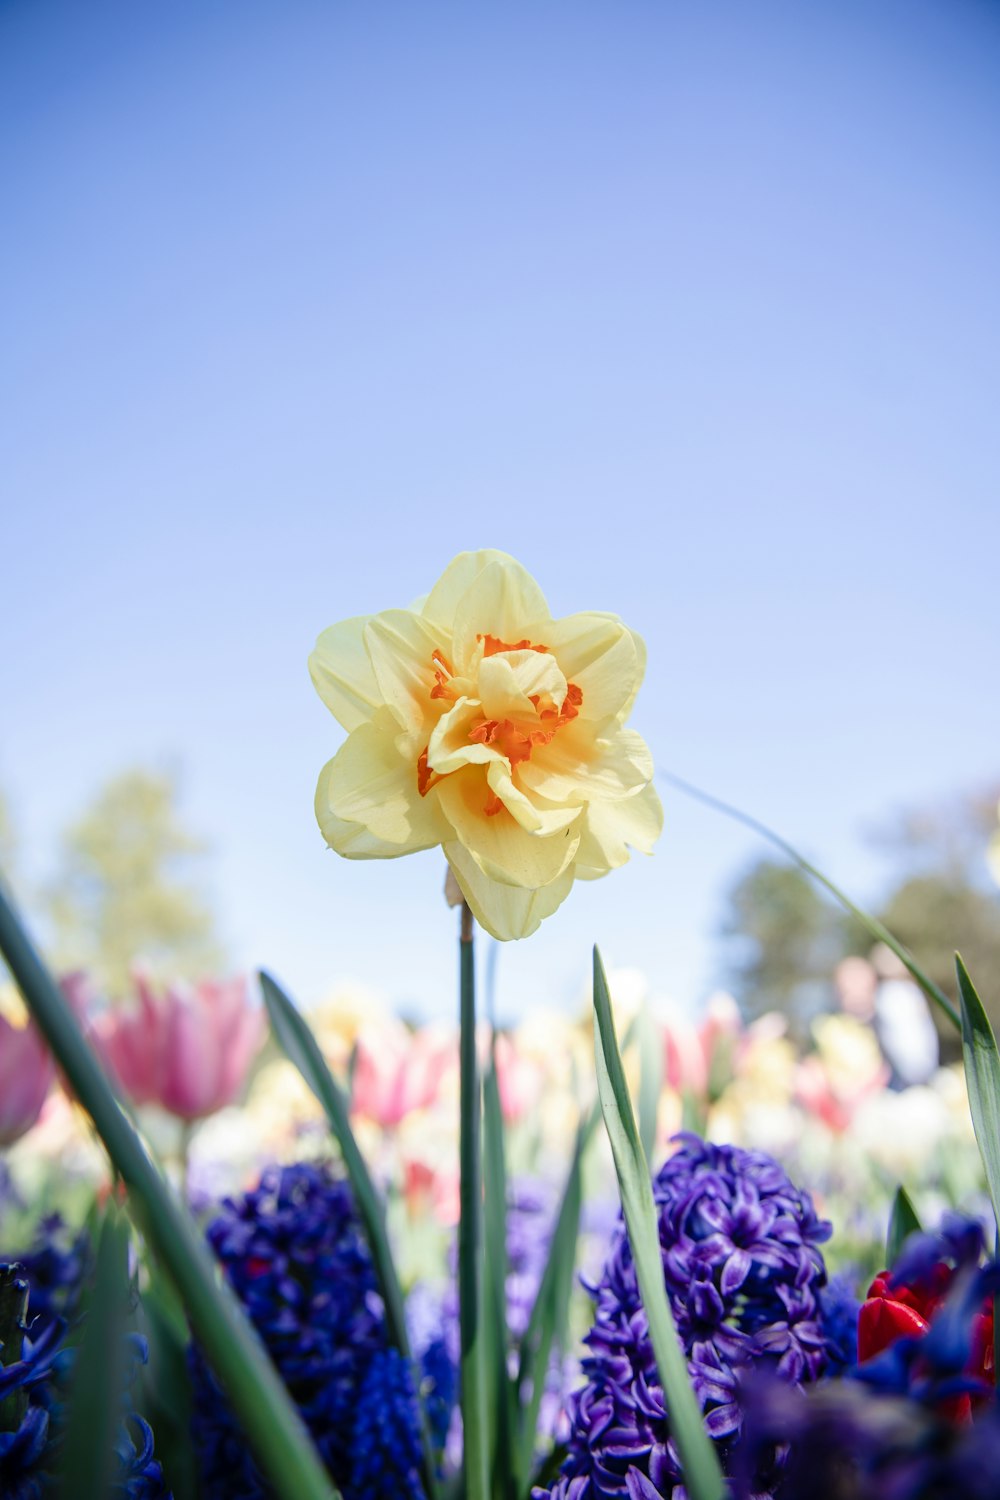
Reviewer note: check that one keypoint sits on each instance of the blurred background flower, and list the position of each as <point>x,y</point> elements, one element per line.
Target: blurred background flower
<point>27,1070</point>
<point>187,1048</point>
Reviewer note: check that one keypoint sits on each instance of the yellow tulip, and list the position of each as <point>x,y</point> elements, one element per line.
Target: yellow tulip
<point>477,722</point>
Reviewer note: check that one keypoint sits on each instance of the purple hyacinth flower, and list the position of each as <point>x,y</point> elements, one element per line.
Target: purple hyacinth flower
<point>744,1272</point>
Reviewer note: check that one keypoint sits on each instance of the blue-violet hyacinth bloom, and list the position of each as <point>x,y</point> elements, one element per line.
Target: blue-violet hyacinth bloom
<point>743,1271</point>
<point>295,1254</point>
<point>385,1444</point>
<point>36,1379</point>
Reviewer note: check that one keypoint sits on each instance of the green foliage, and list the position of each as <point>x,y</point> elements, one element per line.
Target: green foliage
<point>982,1077</point>
<point>96,1396</point>
<point>702,1475</point>
<point>261,1402</point>
<point>932,914</point>
<point>903,1221</point>
<point>123,891</point>
<point>785,940</point>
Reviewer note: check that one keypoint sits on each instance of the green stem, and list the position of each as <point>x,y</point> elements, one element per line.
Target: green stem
<point>187,1131</point>
<point>475,1462</point>
<point>873,925</point>
<point>272,1426</point>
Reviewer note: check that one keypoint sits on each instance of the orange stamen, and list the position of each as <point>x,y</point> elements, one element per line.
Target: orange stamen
<point>443,673</point>
<point>426,778</point>
<point>492,645</point>
<point>493,805</point>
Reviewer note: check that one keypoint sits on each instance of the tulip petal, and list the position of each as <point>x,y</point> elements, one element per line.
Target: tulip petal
<point>367,801</point>
<point>192,1072</point>
<point>342,673</point>
<point>503,849</point>
<point>601,656</point>
<point>610,828</point>
<point>401,646</point>
<point>505,911</point>
<point>26,1074</point>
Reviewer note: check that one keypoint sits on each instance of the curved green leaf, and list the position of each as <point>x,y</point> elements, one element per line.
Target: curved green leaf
<point>903,1221</point>
<point>702,1474</point>
<point>273,1427</point>
<point>872,925</point>
<point>296,1040</point>
<point>88,1464</point>
<point>982,1077</point>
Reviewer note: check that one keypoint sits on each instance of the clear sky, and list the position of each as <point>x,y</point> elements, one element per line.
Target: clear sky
<point>693,308</point>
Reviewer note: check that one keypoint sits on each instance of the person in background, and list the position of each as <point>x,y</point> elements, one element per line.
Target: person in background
<point>879,992</point>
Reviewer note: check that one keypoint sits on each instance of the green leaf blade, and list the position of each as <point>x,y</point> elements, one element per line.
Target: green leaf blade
<point>296,1040</point>
<point>702,1473</point>
<point>903,1221</point>
<point>548,1325</point>
<point>982,1077</point>
<point>273,1426</point>
<point>88,1463</point>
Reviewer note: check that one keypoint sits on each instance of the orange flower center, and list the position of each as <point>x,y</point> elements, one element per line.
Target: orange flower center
<point>512,739</point>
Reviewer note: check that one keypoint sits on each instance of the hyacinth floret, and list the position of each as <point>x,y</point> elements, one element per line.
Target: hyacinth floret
<point>385,1446</point>
<point>744,1272</point>
<point>39,1375</point>
<point>294,1252</point>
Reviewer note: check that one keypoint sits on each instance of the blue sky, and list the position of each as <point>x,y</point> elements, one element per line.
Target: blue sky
<point>694,309</point>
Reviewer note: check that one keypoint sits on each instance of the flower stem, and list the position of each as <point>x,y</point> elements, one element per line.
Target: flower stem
<point>475,1461</point>
<point>187,1131</point>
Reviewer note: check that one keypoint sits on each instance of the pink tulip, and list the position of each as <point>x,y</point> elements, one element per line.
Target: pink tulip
<point>519,1083</point>
<point>396,1071</point>
<point>26,1074</point>
<point>188,1049</point>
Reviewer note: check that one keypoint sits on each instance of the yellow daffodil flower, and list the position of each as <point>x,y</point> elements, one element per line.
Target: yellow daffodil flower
<point>477,722</point>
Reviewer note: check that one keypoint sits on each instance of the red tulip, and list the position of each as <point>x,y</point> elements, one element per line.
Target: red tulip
<point>895,1312</point>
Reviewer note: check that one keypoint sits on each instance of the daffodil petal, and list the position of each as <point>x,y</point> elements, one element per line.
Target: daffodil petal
<point>576,768</point>
<point>342,674</point>
<point>504,911</point>
<point>449,747</point>
<point>367,802</point>
<point>503,601</point>
<point>611,828</point>
<point>598,653</point>
<point>532,818</point>
<point>401,646</point>
<point>502,849</point>
<point>459,576</point>
<point>510,680</point>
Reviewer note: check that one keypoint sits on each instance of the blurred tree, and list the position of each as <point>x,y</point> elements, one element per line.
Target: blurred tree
<point>784,939</point>
<point>936,916</point>
<point>122,895</point>
<point>949,838</point>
